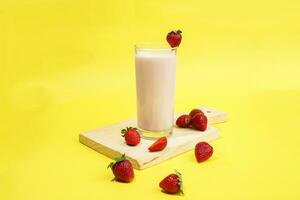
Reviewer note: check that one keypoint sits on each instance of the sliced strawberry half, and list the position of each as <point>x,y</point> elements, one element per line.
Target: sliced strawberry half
<point>159,144</point>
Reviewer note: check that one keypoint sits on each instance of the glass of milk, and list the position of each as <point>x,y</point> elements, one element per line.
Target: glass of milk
<point>155,67</point>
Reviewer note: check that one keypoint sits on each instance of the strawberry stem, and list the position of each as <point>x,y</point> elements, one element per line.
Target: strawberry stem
<point>187,120</point>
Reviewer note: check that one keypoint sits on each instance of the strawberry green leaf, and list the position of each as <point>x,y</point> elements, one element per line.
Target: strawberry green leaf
<point>180,181</point>
<point>117,160</point>
<point>110,165</point>
<point>121,158</point>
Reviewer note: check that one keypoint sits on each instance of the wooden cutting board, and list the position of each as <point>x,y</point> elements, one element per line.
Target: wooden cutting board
<point>108,141</point>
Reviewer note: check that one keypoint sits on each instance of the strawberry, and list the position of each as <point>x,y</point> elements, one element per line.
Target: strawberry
<point>132,136</point>
<point>174,38</point>
<point>199,122</point>
<point>203,151</point>
<point>183,121</point>
<point>172,184</point>
<point>159,144</point>
<point>195,111</point>
<point>122,169</point>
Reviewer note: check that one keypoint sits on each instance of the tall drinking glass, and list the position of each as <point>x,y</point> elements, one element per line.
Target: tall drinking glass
<point>155,67</point>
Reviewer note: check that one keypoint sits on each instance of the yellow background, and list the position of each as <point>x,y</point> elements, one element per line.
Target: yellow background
<point>68,66</point>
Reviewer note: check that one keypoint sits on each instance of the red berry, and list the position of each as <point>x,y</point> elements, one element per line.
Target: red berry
<point>183,121</point>
<point>132,136</point>
<point>122,169</point>
<point>174,38</point>
<point>195,111</point>
<point>199,122</point>
<point>159,144</point>
<point>203,151</point>
<point>172,184</point>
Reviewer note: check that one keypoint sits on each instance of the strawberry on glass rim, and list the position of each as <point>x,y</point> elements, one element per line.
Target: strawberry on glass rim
<point>174,38</point>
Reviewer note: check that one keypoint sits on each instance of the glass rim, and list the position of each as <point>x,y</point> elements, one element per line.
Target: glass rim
<point>153,46</point>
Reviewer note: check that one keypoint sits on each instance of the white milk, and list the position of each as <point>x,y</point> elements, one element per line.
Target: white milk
<point>155,83</point>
